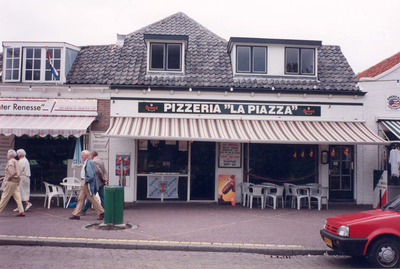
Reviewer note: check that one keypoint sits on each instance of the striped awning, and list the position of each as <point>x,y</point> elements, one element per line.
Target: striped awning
<point>241,130</point>
<point>393,126</point>
<point>44,125</point>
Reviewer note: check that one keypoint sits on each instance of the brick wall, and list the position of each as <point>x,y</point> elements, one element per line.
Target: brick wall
<point>103,111</point>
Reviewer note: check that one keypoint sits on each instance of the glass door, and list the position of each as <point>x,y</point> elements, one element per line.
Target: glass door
<point>341,173</point>
<point>202,172</point>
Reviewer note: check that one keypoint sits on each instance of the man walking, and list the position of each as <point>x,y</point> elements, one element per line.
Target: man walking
<point>101,175</point>
<point>89,188</point>
<point>25,184</point>
<point>12,179</point>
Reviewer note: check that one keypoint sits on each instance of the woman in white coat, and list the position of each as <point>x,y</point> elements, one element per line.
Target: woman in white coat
<point>25,184</point>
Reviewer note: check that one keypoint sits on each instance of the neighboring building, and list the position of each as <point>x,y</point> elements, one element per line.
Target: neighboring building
<point>382,114</point>
<point>189,109</point>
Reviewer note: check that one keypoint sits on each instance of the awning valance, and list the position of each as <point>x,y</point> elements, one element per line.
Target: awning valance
<point>393,126</point>
<point>44,125</point>
<point>242,130</point>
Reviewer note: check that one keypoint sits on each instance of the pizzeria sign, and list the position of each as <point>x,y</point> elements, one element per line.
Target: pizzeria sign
<point>226,108</point>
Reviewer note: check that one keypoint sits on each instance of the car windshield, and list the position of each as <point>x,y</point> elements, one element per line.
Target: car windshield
<point>393,205</point>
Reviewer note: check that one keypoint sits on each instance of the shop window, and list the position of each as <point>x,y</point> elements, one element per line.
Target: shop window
<point>251,59</point>
<point>158,156</point>
<point>299,61</point>
<point>297,164</point>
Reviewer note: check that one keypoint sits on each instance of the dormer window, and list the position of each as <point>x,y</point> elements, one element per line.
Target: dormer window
<point>251,59</point>
<point>165,56</point>
<point>28,61</point>
<point>299,61</point>
<point>166,52</point>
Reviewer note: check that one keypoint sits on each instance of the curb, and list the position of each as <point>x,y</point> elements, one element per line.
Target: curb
<point>279,250</point>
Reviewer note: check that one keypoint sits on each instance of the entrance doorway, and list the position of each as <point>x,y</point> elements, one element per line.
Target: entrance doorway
<point>202,171</point>
<point>341,182</point>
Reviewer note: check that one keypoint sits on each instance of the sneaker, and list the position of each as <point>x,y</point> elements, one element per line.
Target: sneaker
<point>28,206</point>
<point>15,210</point>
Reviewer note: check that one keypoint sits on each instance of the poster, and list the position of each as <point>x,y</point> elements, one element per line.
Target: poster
<point>229,155</point>
<point>162,187</point>
<point>227,189</point>
<point>143,144</point>
<point>122,168</point>
<point>183,146</point>
<point>6,143</point>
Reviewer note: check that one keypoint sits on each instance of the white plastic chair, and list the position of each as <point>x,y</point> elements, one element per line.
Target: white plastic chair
<point>245,192</point>
<point>275,193</point>
<point>321,193</point>
<point>313,187</point>
<point>257,192</point>
<point>298,194</point>
<point>288,192</point>
<point>73,191</point>
<point>53,191</point>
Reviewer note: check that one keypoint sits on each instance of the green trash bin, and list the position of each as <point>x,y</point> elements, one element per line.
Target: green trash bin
<point>114,205</point>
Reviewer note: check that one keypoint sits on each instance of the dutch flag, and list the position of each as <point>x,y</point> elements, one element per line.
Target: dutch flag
<point>53,70</point>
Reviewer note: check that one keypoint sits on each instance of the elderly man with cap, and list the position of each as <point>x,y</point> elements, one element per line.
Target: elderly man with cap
<point>12,179</point>
<point>25,184</point>
<point>89,188</point>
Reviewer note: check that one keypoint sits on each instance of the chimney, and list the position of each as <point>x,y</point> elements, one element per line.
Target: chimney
<point>120,40</point>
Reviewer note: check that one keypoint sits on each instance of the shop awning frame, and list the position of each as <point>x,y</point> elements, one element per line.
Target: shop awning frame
<point>393,126</point>
<point>43,125</point>
<point>243,130</point>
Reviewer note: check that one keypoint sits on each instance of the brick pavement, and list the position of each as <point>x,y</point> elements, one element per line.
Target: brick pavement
<point>178,226</point>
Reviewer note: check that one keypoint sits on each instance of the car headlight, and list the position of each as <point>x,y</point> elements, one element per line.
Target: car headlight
<point>325,224</point>
<point>344,231</point>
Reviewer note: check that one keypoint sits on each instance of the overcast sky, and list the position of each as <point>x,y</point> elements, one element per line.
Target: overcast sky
<point>367,31</point>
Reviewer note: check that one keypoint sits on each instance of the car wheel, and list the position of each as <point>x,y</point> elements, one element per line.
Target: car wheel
<point>384,253</point>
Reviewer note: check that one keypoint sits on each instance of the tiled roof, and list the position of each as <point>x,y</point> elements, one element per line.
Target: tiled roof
<point>381,67</point>
<point>207,63</point>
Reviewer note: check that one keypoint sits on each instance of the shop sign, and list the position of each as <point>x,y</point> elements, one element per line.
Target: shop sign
<point>48,107</point>
<point>229,155</point>
<point>225,108</point>
<point>393,102</point>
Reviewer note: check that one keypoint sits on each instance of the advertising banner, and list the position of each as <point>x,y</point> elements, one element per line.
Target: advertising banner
<point>162,187</point>
<point>227,189</point>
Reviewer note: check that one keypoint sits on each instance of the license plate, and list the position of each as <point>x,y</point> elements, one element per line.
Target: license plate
<point>328,241</point>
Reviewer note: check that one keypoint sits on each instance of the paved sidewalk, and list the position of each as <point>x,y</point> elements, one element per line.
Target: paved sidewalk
<point>177,226</point>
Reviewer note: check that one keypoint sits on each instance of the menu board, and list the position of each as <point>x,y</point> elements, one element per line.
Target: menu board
<point>6,143</point>
<point>229,155</point>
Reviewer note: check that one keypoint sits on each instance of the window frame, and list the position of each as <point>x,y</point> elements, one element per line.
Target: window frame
<point>251,60</point>
<point>165,56</point>
<point>300,61</point>
<point>43,64</point>
<point>12,69</point>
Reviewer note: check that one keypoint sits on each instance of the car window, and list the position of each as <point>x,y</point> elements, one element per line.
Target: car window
<point>393,205</point>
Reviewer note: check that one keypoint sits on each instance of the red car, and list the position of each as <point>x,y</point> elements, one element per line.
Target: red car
<point>374,234</point>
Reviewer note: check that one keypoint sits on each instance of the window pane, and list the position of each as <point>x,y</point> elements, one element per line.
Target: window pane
<point>174,56</point>
<point>16,63</point>
<point>38,53</point>
<point>292,60</point>
<point>36,64</point>
<point>335,183</point>
<point>57,64</point>
<point>29,64</point>
<point>16,53</point>
<point>48,75</point>
<point>8,74</point>
<point>57,53</point>
<point>15,74</point>
<point>36,75</point>
<point>243,59</point>
<point>157,56</point>
<point>9,63</point>
<point>9,53</point>
<point>29,53</point>
<point>28,75</point>
<point>307,61</point>
<point>259,59</point>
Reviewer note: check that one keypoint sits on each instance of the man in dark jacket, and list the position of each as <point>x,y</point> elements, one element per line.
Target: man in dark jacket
<point>89,188</point>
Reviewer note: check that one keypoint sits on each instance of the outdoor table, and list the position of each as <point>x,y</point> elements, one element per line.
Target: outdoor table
<point>73,189</point>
